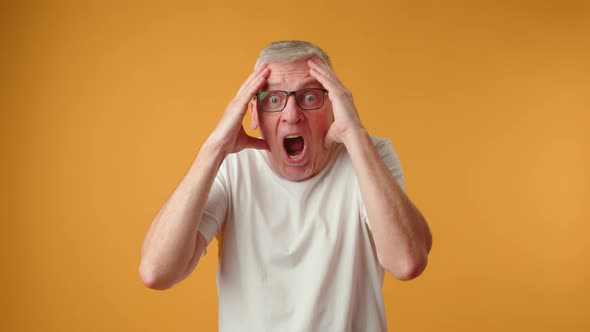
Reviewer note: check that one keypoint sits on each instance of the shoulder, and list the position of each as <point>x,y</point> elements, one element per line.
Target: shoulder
<point>379,140</point>
<point>244,159</point>
<point>244,166</point>
<point>390,158</point>
<point>383,145</point>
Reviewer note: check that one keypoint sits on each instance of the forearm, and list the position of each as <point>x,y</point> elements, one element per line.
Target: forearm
<point>171,247</point>
<point>169,244</point>
<point>400,232</point>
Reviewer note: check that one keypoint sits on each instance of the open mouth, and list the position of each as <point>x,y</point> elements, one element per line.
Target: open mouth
<point>294,145</point>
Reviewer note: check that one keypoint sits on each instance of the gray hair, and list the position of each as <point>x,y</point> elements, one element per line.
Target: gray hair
<point>288,51</point>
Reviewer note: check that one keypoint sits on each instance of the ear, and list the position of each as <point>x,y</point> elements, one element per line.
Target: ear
<point>254,114</point>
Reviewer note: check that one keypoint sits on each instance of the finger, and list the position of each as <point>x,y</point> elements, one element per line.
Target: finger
<point>330,137</point>
<point>252,77</point>
<point>256,143</point>
<point>318,61</point>
<point>261,71</point>
<point>323,68</point>
<point>238,107</point>
<point>329,83</point>
<point>254,80</point>
<point>324,74</point>
<point>254,74</point>
<point>249,90</point>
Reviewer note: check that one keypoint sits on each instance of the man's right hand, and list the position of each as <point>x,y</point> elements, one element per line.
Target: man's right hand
<point>173,246</point>
<point>229,135</point>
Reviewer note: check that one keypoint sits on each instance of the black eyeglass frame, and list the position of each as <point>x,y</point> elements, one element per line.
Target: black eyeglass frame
<point>292,93</point>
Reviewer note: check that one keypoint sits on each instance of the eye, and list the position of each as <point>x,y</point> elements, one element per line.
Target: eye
<point>310,98</point>
<point>274,99</point>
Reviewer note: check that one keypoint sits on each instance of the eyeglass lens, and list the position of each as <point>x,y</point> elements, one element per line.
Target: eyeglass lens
<point>306,99</point>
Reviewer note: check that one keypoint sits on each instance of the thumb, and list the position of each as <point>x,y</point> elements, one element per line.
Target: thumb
<point>256,143</point>
<point>330,137</point>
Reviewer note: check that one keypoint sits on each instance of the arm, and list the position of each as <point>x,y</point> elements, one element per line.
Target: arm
<point>172,246</point>
<point>171,241</point>
<point>401,234</point>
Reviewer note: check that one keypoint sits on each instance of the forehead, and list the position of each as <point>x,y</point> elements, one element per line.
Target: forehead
<point>290,76</point>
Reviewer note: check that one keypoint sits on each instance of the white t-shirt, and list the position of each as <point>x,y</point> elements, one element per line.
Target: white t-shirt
<point>295,256</point>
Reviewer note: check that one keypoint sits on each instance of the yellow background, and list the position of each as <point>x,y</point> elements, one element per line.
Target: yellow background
<point>104,107</point>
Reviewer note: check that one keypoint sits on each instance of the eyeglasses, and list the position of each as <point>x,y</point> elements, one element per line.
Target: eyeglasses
<point>306,99</point>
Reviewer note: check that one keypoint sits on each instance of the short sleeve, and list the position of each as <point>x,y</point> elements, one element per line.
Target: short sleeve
<point>391,161</point>
<point>216,207</point>
<point>389,156</point>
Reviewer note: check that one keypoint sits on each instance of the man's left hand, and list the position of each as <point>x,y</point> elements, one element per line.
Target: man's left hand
<point>346,119</point>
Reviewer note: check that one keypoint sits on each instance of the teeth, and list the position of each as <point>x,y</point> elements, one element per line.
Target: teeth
<point>292,136</point>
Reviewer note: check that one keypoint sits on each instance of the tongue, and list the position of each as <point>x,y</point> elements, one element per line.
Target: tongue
<point>294,146</point>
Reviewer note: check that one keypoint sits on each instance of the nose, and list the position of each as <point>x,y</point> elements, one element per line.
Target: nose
<point>291,113</point>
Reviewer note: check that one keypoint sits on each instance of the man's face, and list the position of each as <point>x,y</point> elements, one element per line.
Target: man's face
<point>295,136</point>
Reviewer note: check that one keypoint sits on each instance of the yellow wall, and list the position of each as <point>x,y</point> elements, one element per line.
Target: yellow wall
<point>103,108</point>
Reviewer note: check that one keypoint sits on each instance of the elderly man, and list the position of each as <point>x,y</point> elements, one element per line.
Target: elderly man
<point>307,217</point>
